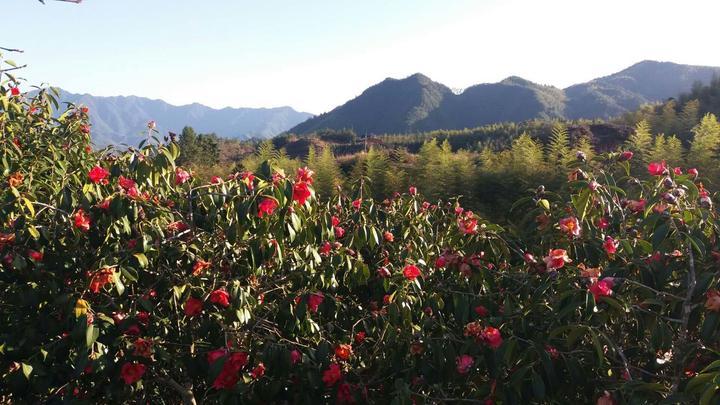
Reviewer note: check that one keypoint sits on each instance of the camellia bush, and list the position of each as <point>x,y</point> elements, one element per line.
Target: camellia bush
<point>125,280</point>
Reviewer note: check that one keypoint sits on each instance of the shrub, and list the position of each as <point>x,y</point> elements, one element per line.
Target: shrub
<point>127,280</point>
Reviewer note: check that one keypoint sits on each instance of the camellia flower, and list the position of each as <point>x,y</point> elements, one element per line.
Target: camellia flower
<point>468,225</point>
<point>181,176</point>
<point>200,266</point>
<point>332,375</point>
<point>570,226</point>
<point>82,220</point>
<point>335,220</point>
<point>343,351</point>
<point>492,337</point>
<point>132,372</point>
<point>295,356</point>
<point>693,172</point>
<point>143,348</point>
<point>126,183</point>
<point>627,155</point>
<point>357,204</point>
<point>464,363</point>
<point>220,297</point>
<point>606,399</point>
<point>267,207</point>
<point>481,311</point>
<point>339,232</point>
<point>216,354</point>
<point>712,302</point>
<point>360,337</point>
<point>14,91</point>
<point>258,371</point>
<point>610,245</point>
<point>383,272</point>
<point>305,175</point>
<point>216,180</point>
<point>101,278</point>
<point>388,236</point>
<point>602,288</point>
<point>193,306</point>
<point>636,205</point>
<point>35,255</point>
<point>15,179</point>
<point>98,175</point>
<point>556,259</point>
<point>677,171</point>
<point>412,190</point>
<point>301,192</point>
<point>657,168</point>
<point>411,272</point>
<point>248,179</point>
<point>314,300</point>
<point>229,376</point>
<point>325,249</point>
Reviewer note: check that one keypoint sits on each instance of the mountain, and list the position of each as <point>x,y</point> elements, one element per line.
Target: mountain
<point>123,120</point>
<point>417,103</point>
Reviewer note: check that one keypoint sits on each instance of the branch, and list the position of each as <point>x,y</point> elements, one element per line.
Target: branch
<point>11,49</point>
<point>185,392</point>
<point>687,309</point>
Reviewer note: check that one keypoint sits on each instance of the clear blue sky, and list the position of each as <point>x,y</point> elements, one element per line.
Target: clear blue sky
<point>316,54</point>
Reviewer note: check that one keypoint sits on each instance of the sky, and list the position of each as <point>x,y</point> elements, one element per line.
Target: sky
<point>314,55</point>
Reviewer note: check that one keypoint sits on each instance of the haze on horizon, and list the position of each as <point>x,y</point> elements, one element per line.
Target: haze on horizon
<point>316,55</point>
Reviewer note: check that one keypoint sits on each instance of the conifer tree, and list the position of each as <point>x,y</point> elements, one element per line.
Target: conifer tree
<point>704,147</point>
<point>689,116</point>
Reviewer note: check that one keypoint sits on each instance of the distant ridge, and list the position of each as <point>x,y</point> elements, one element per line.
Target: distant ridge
<point>418,103</point>
<point>123,119</point>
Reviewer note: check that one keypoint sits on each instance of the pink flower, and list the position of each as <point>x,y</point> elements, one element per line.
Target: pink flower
<point>332,375</point>
<point>383,272</point>
<point>492,337</point>
<point>305,175</point>
<point>677,171</point>
<point>602,288</point>
<point>570,226</point>
<point>603,223</point>
<point>412,190</point>
<point>610,245</point>
<point>657,168</point>
<point>295,357</point>
<point>693,172</point>
<point>411,272</point>
<point>339,232</point>
<point>357,203</point>
<point>464,363</point>
<point>216,180</point>
<point>181,176</point>
<point>556,259</point>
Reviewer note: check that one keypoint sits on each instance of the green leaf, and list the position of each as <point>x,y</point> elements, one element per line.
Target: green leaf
<point>27,370</point>
<point>91,334</point>
<point>142,259</point>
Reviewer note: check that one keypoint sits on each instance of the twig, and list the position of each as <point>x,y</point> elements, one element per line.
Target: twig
<point>11,49</point>
<point>185,392</point>
<point>687,309</point>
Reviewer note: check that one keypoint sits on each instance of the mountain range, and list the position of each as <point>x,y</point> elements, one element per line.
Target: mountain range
<point>418,103</point>
<point>415,103</point>
<point>123,120</point>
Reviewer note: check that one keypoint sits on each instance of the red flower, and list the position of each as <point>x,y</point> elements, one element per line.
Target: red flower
<point>85,129</point>
<point>82,220</point>
<point>606,399</point>
<point>220,297</point>
<point>101,278</point>
<point>266,207</point>
<point>657,169</point>
<point>570,226</point>
<point>295,357</point>
<point>492,337</point>
<point>314,301</point>
<point>216,180</point>
<point>325,249</point>
<point>305,175</point>
<point>335,221</point>
<point>712,302</point>
<point>344,394</point>
<point>98,175</point>
<point>360,337</point>
<point>677,171</point>
<point>693,172</point>
<point>226,379</point>
<point>627,155</point>
<point>193,306</point>
<point>388,236</point>
<point>126,183</point>
<point>481,311</point>
<point>556,259</point>
<point>132,330</point>
<point>412,190</point>
<point>602,288</point>
<point>343,351</point>
<point>339,232</point>
<point>603,223</point>
<point>468,225</point>
<point>35,255</point>
<point>332,375</point>
<point>610,245</point>
<point>383,272</point>
<point>636,205</point>
<point>132,372</point>
<point>258,371</point>
<point>411,272</point>
<point>216,354</point>
<point>14,91</point>
<point>181,176</point>
<point>301,192</point>
<point>464,363</point>
<point>143,317</point>
<point>200,266</point>
<point>143,348</point>
<point>357,203</point>
<point>248,178</point>
<point>440,262</point>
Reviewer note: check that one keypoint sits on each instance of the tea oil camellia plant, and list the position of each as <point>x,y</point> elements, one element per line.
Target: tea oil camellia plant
<point>125,279</point>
